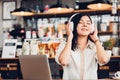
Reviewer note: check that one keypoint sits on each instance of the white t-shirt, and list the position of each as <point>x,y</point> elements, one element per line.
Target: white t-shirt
<point>81,63</point>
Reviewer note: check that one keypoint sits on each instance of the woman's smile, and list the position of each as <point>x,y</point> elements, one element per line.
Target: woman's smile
<point>84,29</point>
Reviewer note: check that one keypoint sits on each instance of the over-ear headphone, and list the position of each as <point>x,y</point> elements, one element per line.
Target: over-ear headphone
<point>92,28</point>
<point>71,24</point>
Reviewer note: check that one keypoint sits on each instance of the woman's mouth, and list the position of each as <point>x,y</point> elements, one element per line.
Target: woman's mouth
<point>83,29</point>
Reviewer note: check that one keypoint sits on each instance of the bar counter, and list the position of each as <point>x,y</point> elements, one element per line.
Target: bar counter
<point>10,68</point>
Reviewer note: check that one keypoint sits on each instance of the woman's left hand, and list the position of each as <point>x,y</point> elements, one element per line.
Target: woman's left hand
<point>94,36</point>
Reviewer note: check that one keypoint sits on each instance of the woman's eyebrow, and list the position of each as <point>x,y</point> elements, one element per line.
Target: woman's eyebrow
<point>88,20</point>
<point>83,20</point>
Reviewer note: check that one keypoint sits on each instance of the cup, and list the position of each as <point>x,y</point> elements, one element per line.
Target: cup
<point>103,27</point>
<point>19,52</point>
<point>109,52</point>
<point>26,48</point>
<point>117,75</point>
<point>115,51</point>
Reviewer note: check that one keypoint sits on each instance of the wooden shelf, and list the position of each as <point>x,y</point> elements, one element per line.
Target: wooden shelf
<point>78,11</point>
<point>94,12</point>
<point>115,56</point>
<point>101,33</point>
<point>67,14</point>
<point>106,33</point>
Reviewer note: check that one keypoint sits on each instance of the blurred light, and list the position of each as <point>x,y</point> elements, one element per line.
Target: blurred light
<point>99,5</point>
<point>22,11</point>
<point>59,8</point>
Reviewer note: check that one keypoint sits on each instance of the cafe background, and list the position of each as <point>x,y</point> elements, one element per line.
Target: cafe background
<point>44,32</point>
<point>9,23</point>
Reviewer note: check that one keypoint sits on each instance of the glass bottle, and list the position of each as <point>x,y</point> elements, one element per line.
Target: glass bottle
<point>37,9</point>
<point>114,7</point>
<point>76,4</point>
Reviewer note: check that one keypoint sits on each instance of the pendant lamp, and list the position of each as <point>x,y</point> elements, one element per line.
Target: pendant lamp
<point>99,5</point>
<point>22,11</point>
<point>59,8</point>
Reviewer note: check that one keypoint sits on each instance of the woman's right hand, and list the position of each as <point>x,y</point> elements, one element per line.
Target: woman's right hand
<point>69,31</point>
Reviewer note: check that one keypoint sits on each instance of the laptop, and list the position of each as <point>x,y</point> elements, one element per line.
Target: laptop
<point>35,67</point>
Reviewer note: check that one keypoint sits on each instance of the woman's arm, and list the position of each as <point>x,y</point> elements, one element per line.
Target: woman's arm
<point>65,54</point>
<point>102,56</point>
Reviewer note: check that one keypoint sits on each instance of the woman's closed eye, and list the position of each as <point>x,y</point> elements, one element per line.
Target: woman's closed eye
<point>88,23</point>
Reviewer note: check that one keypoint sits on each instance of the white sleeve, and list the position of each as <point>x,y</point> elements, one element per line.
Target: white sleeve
<point>59,50</point>
<point>97,58</point>
<point>98,61</point>
<point>95,49</point>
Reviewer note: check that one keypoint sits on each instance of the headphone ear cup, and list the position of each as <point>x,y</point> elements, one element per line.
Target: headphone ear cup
<point>92,29</point>
<point>71,25</point>
<point>71,22</point>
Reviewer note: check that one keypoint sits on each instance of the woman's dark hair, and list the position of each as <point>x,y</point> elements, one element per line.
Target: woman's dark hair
<point>75,20</point>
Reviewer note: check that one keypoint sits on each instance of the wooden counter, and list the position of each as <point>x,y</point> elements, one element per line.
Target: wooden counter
<point>110,68</point>
<point>10,68</point>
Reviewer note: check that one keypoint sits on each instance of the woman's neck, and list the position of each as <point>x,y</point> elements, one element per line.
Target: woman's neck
<point>82,42</point>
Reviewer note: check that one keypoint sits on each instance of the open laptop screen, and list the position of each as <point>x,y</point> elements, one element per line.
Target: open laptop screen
<point>35,67</point>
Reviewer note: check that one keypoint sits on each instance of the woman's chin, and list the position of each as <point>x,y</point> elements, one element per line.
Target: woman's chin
<point>84,34</point>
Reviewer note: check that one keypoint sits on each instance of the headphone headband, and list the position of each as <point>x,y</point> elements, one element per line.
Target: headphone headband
<point>72,16</point>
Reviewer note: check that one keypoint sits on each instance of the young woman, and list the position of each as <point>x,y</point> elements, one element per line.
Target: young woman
<point>81,53</point>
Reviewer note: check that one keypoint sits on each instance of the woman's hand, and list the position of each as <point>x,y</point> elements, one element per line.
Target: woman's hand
<point>69,31</point>
<point>94,36</point>
<point>102,56</point>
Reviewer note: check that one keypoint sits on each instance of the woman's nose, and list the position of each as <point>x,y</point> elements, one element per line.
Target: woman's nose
<point>84,25</point>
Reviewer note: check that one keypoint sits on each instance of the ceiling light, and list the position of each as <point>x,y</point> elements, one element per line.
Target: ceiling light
<point>99,5</point>
<point>22,11</point>
<point>59,8</point>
